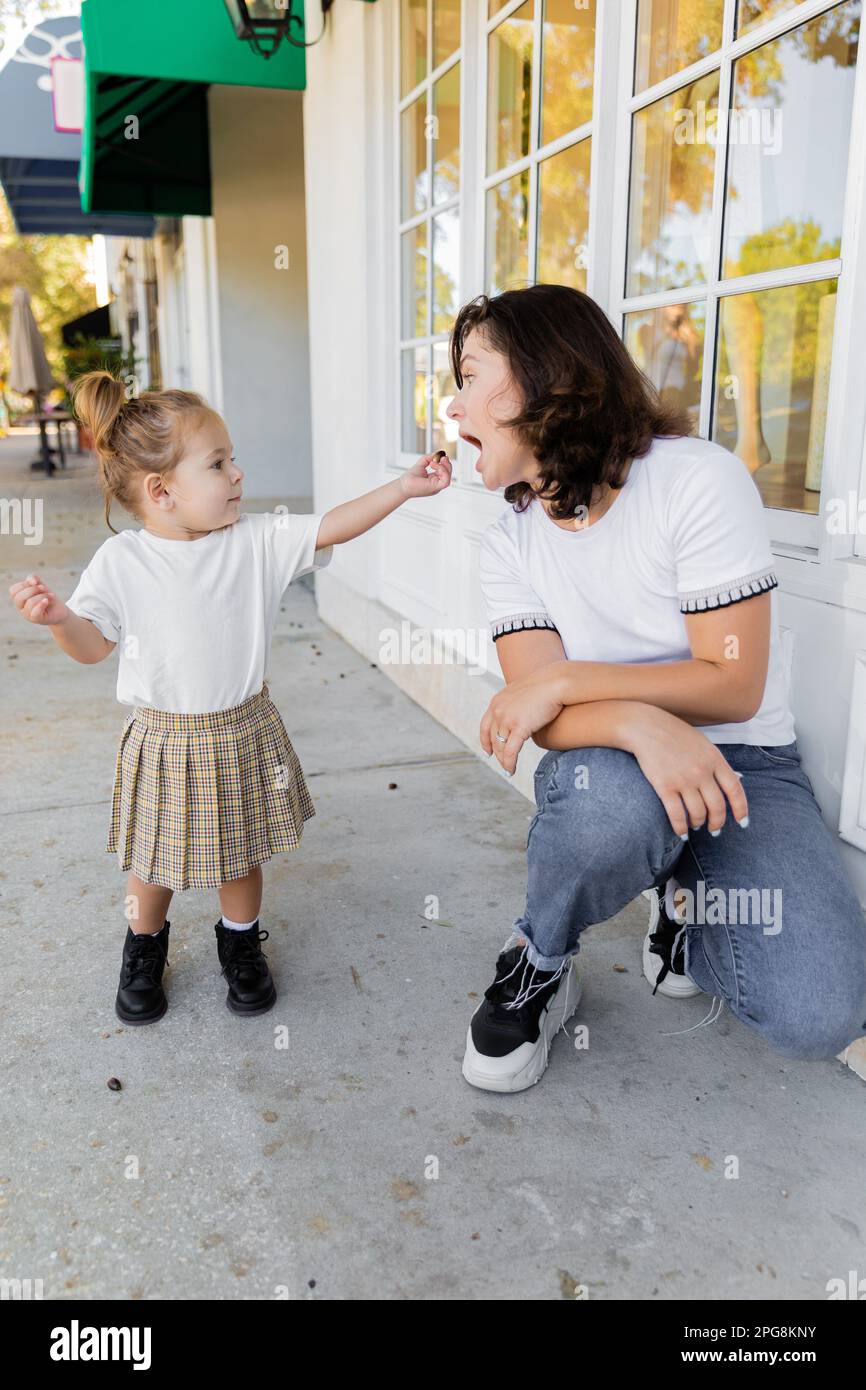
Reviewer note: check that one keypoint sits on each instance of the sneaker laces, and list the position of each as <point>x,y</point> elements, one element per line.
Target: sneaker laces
<point>659,946</point>
<point>704,1023</point>
<point>517,997</point>
<point>243,952</point>
<point>144,956</point>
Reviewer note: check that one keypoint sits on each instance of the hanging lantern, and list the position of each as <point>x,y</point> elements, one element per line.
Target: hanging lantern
<point>263,23</point>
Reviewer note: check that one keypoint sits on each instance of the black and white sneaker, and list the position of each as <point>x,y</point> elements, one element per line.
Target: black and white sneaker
<point>509,1035</point>
<point>664,955</point>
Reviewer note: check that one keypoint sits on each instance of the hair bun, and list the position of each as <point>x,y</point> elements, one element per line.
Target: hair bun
<point>98,401</point>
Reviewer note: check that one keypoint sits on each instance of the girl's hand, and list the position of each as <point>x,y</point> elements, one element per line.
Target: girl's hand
<point>37,603</point>
<point>686,770</point>
<point>517,712</point>
<point>417,482</point>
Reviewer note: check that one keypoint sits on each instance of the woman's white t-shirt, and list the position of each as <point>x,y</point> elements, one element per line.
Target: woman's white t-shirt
<point>193,620</point>
<point>685,534</point>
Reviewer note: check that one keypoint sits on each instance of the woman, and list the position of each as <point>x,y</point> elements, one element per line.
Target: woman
<point>629,589</point>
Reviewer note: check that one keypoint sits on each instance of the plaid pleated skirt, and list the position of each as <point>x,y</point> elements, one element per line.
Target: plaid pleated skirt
<point>203,798</point>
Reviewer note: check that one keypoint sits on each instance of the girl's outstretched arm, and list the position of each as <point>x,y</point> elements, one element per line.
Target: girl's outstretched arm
<point>78,637</point>
<point>351,519</point>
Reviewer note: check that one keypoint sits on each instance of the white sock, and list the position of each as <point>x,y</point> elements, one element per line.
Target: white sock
<point>238,926</point>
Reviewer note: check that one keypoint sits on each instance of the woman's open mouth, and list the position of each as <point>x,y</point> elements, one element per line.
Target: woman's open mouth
<point>472,439</point>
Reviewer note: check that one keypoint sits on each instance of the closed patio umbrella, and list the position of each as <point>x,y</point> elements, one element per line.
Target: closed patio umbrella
<point>30,374</point>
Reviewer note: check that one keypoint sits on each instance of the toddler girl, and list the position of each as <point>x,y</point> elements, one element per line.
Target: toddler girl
<point>207,784</point>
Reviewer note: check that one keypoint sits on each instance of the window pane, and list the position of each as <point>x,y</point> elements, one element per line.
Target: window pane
<point>414,372</point>
<point>446,269</point>
<point>507,261</point>
<point>413,294</point>
<point>413,156</point>
<point>509,89</point>
<point>444,389</point>
<point>668,346</point>
<point>787,142</point>
<point>568,48</point>
<point>671,35</point>
<point>563,217</point>
<point>446,135</point>
<point>670,204</point>
<point>446,29</point>
<point>413,44</point>
<point>751,13</point>
<point>772,375</point>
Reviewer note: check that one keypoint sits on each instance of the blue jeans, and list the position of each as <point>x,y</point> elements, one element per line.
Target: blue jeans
<point>784,942</point>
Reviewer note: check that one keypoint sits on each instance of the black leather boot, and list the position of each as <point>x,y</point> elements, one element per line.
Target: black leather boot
<point>140,995</point>
<point>251,986</point>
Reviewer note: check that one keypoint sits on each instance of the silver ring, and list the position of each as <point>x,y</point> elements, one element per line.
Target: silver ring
<point>503,738</point>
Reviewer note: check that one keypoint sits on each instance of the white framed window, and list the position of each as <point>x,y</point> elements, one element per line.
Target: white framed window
<point>529,77</point>
<point>539,80</point>
<point>428,199</point>
<point>728,259</point>
<point>686,162</point>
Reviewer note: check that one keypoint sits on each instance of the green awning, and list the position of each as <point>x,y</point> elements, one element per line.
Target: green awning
<point>153,60</point>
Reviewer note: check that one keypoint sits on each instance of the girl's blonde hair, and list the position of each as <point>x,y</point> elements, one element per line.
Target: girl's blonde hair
<point>133,436</point>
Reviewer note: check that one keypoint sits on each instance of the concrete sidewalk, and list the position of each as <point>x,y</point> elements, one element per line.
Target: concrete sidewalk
<point>305,1168</point>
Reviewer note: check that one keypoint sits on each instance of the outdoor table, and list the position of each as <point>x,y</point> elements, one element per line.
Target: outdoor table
<point>43,419</point>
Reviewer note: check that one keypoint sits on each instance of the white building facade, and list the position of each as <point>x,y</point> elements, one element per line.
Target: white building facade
<point>453,149</point>
<point>219,304</point>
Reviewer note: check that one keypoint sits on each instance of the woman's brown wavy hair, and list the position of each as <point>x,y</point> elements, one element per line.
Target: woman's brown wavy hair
<point>587,408</point>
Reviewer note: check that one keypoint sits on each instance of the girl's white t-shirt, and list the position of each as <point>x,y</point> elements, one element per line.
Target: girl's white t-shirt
<point>685,534</point>
<point>193,620</point>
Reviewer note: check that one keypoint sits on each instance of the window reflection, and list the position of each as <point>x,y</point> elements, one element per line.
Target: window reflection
<point>563,217</point>
<point>413,293</point>
<point>445,431</point>
<point>413,160</point>
<point>751,13</point>
<point>415,387</point>
<point>792,102</point>
<point>668,346</point>
<point>507,257</point>
<point>671,34</point>
<point>568,67</point>
<point>509,89</point>
<point>772,377</point>
<point>670,203</point>
<point>446,267</point>
<point>413,44</point>
<point>446,29</point>
<point>446,135</point>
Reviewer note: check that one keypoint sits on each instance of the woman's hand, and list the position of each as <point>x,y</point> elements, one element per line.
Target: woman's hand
<point>417,482</point>
<point>516,712</point>
<point>685,769</point>
<point>37,603</point>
